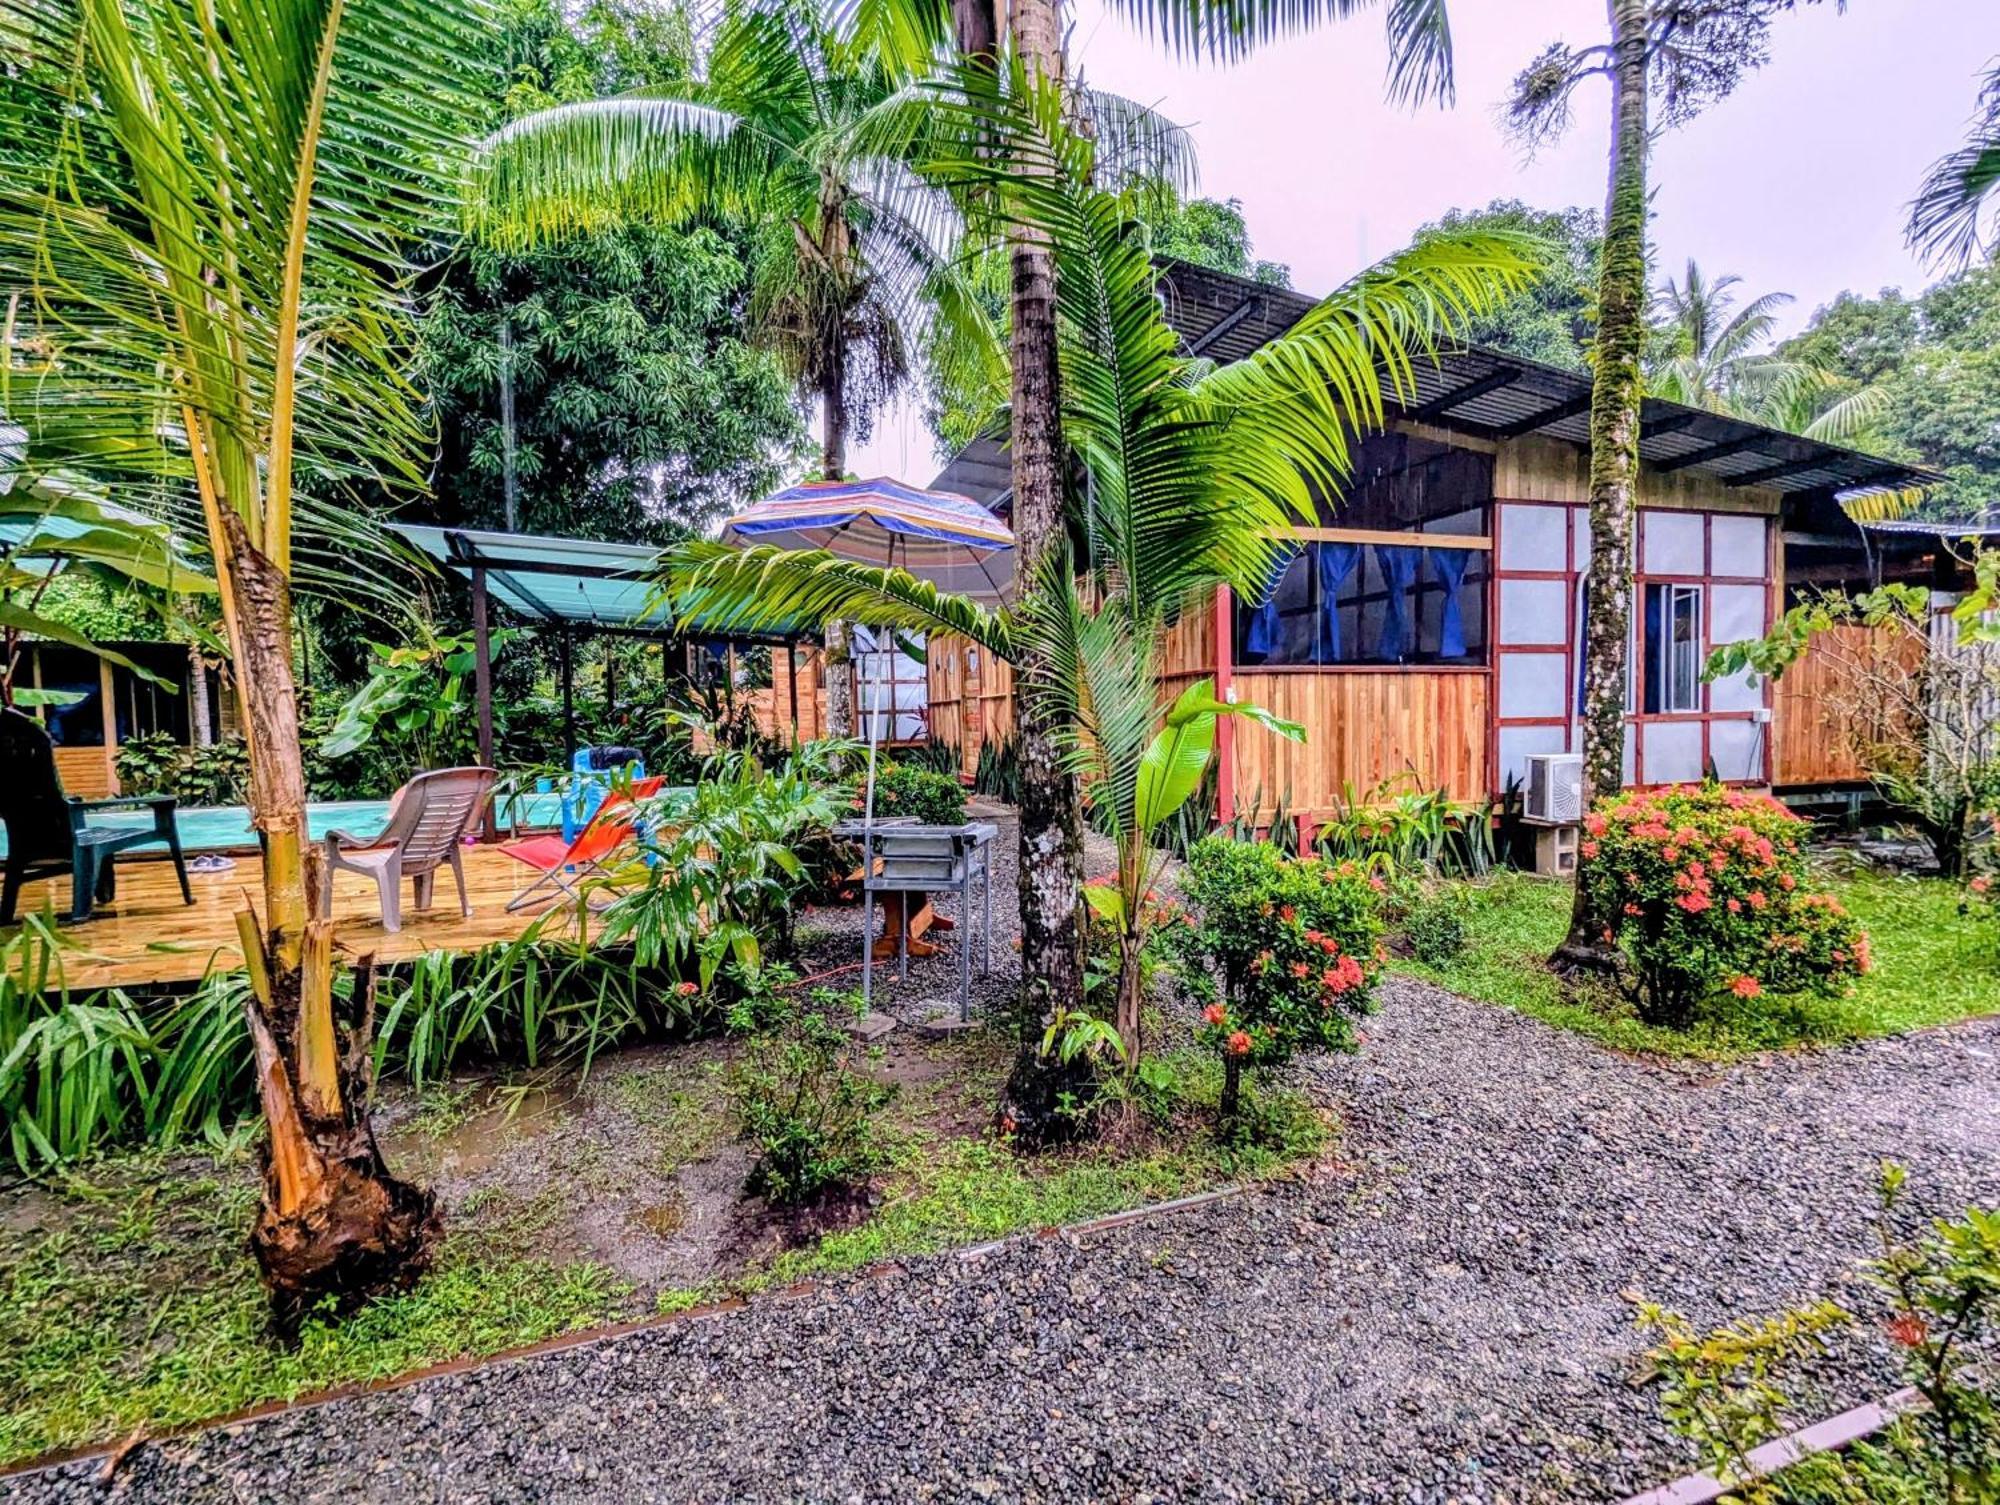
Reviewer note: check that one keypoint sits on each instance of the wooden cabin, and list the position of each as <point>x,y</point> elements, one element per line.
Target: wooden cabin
<point>1427,628</point>
<point>113,705</point>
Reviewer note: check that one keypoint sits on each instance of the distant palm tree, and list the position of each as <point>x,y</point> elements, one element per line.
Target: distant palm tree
<point>1719,357</point>
<point>1945,215</point>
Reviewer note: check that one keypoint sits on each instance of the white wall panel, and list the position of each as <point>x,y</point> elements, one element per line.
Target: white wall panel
<point>1532,684</point>
<point>1673,752</point>
<point>1516,742</point>
<point>1531,538</point>
<point>1534,611</point>
<point>1737,546</point>
<point>1737,748</point>
<point>1673,543</point>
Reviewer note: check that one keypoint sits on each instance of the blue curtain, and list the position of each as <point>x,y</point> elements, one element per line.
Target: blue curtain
<point>1336,563</point>
<point>1449,565</point>
<point>1262,637</point>
<point>1653,645</point>
<point>1398,564</point>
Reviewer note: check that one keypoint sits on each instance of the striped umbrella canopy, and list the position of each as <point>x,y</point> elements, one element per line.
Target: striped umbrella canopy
<point>939,536</point>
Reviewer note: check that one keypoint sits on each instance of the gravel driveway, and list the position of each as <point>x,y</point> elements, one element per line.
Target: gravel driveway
<point>1440,1318</point>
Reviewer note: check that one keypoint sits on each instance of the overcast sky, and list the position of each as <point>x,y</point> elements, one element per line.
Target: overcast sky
<point>1797,182</point>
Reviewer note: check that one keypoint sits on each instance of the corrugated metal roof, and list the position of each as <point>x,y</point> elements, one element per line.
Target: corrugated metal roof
<point>1492,394</point>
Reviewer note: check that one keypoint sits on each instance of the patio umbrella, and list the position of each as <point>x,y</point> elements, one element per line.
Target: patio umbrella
<point>939,536</point>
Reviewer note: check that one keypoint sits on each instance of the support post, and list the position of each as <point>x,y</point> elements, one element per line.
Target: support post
<point>1225,727</point>
<point>610,677</point>
<point>792,683</point>
<point>482,684</point>
<point>567,669</point>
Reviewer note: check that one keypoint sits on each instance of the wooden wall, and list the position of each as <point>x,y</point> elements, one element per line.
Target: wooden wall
<point>773,706</point>
<point>1362,729</point>
<point>1813,744</point>
<point>971,698</point>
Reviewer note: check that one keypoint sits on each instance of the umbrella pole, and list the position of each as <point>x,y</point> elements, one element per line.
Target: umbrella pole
<point>873,713</point>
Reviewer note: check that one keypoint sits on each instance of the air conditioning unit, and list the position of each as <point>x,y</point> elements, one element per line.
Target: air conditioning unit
<point>1554,794</point>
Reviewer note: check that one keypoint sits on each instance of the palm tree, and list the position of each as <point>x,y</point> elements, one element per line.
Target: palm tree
<point>908,36</point>
<point>1684,55</point>
<point>214,239</point>
<point>1194,477</point>
<point>1944,218</point>
<point>853,252</point>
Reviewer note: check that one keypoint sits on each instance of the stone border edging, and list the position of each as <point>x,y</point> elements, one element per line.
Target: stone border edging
<point>1827,1436</point>
<point>114,1453</point>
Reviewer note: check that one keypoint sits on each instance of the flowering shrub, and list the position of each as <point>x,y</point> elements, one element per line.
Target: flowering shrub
<point>1295,941</point>
<point>1705,892</point>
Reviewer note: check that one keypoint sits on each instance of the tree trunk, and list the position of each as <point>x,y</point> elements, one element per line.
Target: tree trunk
<point>838,658</point>
<point>1617,388</point>
<point>334,1222</point>
<point>1051,824</point>
<point>833,414</point>
<point>1051,863</point>
<point>200,727</point>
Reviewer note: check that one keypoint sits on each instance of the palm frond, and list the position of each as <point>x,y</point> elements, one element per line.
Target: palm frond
<point>1419,33</point>
<point>1945,216</point>
<point>709,586</point>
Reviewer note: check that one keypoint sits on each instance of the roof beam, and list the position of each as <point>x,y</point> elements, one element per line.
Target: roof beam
<point>1779,471</point>
<point>1720,451</point>
<point>1673,423</point>
<point>1545,418</point>
<point>1444,403</point>
<point>1223,325</point>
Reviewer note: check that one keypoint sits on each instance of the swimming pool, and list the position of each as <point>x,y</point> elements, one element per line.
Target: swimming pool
<point>226,828</point>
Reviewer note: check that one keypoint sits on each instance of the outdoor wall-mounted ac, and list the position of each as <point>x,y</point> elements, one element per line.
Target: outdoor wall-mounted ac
<point>1554,793</point>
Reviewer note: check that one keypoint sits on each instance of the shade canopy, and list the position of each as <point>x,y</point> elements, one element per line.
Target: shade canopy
<point>939,536</point>
<point>579,582</point>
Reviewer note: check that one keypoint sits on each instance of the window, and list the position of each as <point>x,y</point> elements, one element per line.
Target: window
<point>1673,655</point>
<point>1356,596</point>
<point>1355,603</point>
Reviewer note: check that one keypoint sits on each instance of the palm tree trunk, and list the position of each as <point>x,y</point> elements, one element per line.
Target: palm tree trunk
<point>1617,389</point>
<point>838,655</point>
<point>334,1221</point>
<point>1051,836</point>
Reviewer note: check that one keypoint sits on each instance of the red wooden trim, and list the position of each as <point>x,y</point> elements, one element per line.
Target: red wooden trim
<point>1365,668</point>
<point>1225,679</point>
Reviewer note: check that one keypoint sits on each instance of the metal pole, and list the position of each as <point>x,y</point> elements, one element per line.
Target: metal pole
<point>568,673</point>
<point>482,681</point>
<point>792,682</point>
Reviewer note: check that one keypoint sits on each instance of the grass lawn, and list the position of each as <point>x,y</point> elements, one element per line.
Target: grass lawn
<point>1931,967</point>
<point>128,1297</point>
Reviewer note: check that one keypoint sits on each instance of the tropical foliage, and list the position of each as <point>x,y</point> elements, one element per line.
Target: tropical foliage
<point>1945,219</point>
<point>1195,475</point>
<point>1705,890</point>
<point>219,260</point>
<point>1294,943</point>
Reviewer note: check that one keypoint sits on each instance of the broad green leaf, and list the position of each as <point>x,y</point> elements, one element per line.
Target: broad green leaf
<point>1105,902</point>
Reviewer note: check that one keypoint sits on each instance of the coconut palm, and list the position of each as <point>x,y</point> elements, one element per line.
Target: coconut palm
<point>1718,356</point>
<point>1194,475</point>
<point>213,234</point>
<point>908,36</point>
<point>1945,216</point>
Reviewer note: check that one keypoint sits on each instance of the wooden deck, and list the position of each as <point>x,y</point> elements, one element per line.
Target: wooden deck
<point>147,936</point>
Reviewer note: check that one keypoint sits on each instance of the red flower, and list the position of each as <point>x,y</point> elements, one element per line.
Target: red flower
<point>1787,882</point>
<point>1632,909</point>
<point>1980,885</point>
<point>1589,849</point>
<point>1736,906</point>
<point>1287,913</point>
<point>1215,1013</point>
<point>1908,1330</point>
<point>1695,903</point>
<point>1695,869</point>
<point>1755,898</point>
<point>1301,969</point>
<point>1671,853</point>
<point>1745,986</point>
<point>1594,823</point>
<point>1239,1044</point>
<point>686,989</point>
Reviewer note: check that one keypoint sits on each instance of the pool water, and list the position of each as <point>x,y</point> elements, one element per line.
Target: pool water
<point>226,828</point>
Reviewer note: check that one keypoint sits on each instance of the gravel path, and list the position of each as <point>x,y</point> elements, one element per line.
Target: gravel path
<point>1441,1318</point>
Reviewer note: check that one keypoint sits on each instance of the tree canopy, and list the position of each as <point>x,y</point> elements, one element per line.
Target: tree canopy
<point>642,407</point>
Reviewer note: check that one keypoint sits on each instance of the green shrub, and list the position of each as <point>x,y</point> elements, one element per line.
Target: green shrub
<point>1296,943</point>
<point>924,794</point>
<point>799,1100</point>
<point>1436,927</point>
<point>218,774</point>
<point>1704,891</point>
<point>1730,1391</point>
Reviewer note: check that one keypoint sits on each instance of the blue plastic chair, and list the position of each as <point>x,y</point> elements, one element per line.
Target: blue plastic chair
<point>591,770</point>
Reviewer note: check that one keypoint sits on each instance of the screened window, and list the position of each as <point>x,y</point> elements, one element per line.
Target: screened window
<point>1357,603</point>
<point>1673,648</point>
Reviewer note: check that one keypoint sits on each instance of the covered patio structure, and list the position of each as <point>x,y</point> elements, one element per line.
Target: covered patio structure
<point>571,587</point>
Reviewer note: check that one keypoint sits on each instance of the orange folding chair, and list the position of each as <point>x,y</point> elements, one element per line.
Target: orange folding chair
<point>564,865</point>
